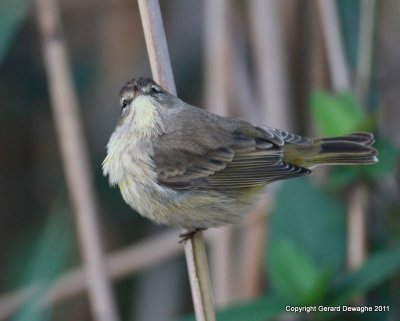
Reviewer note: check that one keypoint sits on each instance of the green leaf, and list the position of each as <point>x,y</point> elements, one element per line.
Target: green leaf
<point>378,268</point>
<point>263,309</point>
<point>12,14</point>
<point>308,217</point>
<point>343,176</point>
<point>336,114</point>
<point>388,156</point>
<point>47,261</point>
<point>295,277</point>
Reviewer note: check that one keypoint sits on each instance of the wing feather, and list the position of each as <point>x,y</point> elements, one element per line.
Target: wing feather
<point>222,153</point>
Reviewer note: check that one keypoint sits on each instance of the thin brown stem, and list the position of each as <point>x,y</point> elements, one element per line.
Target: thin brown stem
<point>356,222</point>
<point>218,56</point>
<point>162,72</point>
<point>156,44</point>
<point>357,207</point>
<point>334,46</point>
<point>75,158</point>
<point>270,60</point>
<point>253,234</point>
<point>365,49</point>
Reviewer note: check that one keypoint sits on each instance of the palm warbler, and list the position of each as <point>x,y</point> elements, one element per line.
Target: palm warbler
<point>180,165</point>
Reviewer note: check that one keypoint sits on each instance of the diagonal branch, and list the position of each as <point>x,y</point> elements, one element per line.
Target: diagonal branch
<point>125,262</point>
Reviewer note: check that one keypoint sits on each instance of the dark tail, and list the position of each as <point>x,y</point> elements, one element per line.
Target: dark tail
<point>353,149</point>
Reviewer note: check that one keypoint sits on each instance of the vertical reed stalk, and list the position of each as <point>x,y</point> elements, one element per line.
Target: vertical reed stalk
<point>365,49</point>
<point>271,63</point>
<point>334,45</point>
<point>273,87</point>
<point>217,66</point>
<point>75,158</point>
<point>162,72</point>
<point>356,234</point>
<point>359,200</point>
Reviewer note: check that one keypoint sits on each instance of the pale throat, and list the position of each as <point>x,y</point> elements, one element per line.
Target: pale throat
<point>146,117</point>
<point>131,145</point>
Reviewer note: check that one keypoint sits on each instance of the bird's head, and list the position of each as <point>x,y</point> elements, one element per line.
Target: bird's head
<point>143,102</point>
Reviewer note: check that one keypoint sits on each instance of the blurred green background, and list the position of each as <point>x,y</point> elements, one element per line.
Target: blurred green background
<point>306,248</point>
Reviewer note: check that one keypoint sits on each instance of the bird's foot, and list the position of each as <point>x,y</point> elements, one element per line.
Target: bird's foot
<point>188,234</point>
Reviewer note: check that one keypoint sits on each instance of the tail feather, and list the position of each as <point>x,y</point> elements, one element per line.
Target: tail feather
<point>361,138</point>
<point>351,149</point>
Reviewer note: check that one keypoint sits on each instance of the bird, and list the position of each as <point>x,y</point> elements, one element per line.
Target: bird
<point>179,165</point>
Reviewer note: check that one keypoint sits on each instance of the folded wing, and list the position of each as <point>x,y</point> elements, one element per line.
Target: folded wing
<point>222,154</point>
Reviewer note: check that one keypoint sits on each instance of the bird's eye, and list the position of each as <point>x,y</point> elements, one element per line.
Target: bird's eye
<point>155,89</point>
<point>124,103</point>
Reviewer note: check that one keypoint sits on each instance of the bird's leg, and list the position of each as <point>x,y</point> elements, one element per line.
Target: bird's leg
<point>188,234</point>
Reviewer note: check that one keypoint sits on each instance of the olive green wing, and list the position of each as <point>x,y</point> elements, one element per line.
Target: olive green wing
<point>223,154</point>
